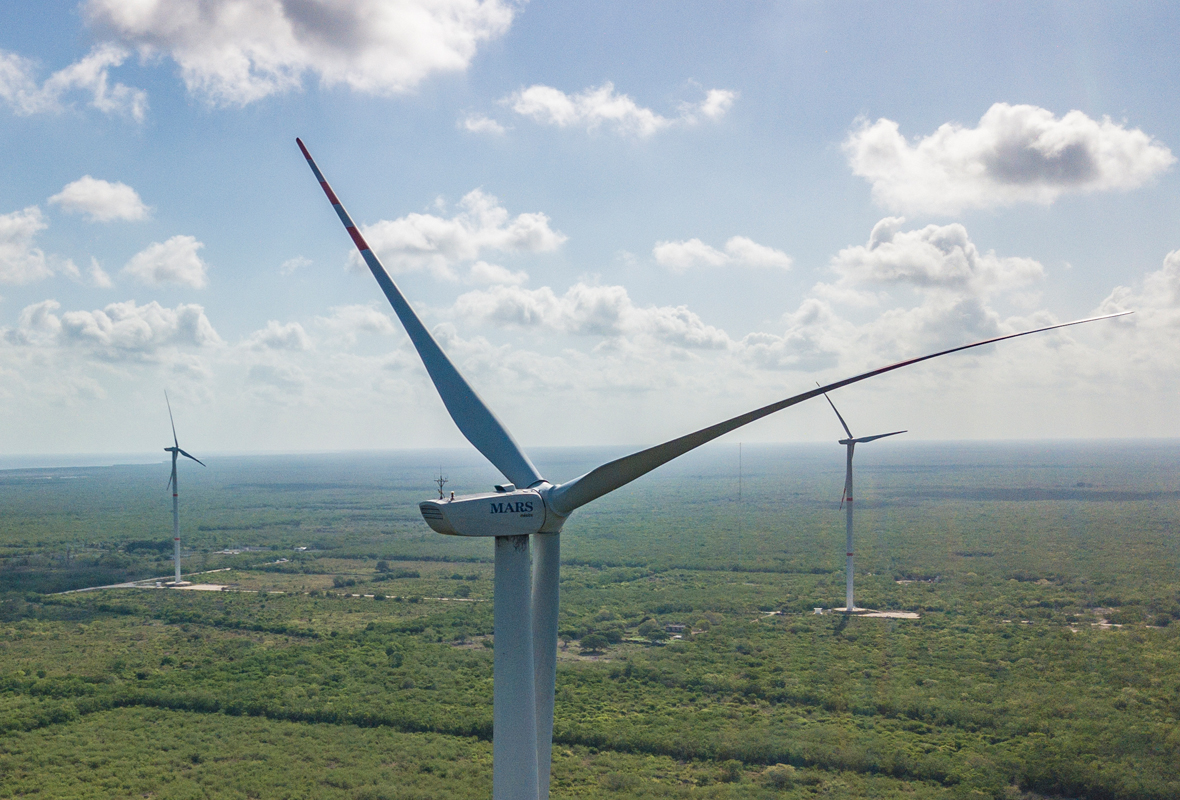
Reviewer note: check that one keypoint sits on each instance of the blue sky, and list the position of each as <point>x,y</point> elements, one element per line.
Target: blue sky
<point>624,221</point>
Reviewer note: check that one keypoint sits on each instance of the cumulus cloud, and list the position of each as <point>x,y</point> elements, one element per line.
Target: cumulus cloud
<point>344,324</point>
<point>173,261</point>
<point>681,256</point>
<point>484,273</point>
<point>286,378</point>
<point>1156,301</point>
<point>20,90</point>
<point>601,106</point>
<point>1015,154</point>
<point>478,123</point>
<point>292,264</point>
<point>98,275</point>
<point>584,310</point>
<point>934,286</point>
<point>37,324</point>
<point>279,336</point>
<point>716,105</point>
<point>426,241</point>
<point>1162,287</point>
<point>20,261</point>
<point>101,201</point>
<point>936,257</point>
<point>235,52</point>
<point>118,331</point>
<point>815,338</point>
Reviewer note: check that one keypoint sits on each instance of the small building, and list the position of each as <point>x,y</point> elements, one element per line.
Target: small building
<point>675,627</point>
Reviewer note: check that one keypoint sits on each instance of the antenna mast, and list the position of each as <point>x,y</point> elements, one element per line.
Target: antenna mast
<point>441,480</point>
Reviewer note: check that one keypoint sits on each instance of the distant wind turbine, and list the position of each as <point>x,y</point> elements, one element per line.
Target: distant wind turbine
<point>525,602</point>
<point>176,451</point>
<point>846,500</point>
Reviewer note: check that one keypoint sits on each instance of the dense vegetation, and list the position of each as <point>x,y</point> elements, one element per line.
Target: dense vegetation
<point>1045,661</point>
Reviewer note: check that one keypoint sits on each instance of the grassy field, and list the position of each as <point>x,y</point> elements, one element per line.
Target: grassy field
<point>1046,661</point>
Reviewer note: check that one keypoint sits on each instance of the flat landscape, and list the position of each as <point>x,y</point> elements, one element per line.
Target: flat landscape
<point>345,649</point>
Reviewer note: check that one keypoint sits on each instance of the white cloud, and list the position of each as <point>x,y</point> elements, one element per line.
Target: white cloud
<point>98,275</point>
<point>37,324</point>
<point>484,273</point>
<point>279,336</point>
<point>933,285</point>
<point>584,310</point>
<point>933,258</point>
<point>346,323</point>
<point>425,241</point>
<point>601,106</point>
<point>1156,302</point>
<point>20,261</point>
<point>119,331</point>
<point>815,339</point>
<point>286,378</point>
<point>478,123</point>
<point>1162,287</point>
<point>173,261</point>
<point>600,367</point>
<point>238,51</point>
<point>292,264</point>
<point>1016,154</point>
<point>101,201</point>
<point>681,256</point>
<point>716,104</point>
<point>19,88</point>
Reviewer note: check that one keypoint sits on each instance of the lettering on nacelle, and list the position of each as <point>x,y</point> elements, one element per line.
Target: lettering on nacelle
<point>519,507</point>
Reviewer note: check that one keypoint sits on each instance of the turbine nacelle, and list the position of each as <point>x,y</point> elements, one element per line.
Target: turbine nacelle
<point>506,512</point>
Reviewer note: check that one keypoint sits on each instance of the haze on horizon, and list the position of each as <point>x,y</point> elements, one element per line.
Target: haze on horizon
<point>621,224</point>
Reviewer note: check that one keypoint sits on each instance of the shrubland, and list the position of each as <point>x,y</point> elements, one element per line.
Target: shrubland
<point>1045,662</point>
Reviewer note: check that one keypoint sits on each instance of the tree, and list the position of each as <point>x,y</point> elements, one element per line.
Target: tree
<point>593,643</point>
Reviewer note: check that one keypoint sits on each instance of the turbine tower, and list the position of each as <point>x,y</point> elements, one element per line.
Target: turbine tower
<point>176,451</point>
<point>525,516</point>
<point>846,500</point>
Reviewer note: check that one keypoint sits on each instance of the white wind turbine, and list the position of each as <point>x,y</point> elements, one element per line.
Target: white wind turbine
<point>526,516</point>
<point>176,451</point>
<point>846,500</point>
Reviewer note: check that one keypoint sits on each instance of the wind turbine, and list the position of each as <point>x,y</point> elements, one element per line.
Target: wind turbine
<point>526,516</point>
<point>846,499</point>
<point>176,451</point>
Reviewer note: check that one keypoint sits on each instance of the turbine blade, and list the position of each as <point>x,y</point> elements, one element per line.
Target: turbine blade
<point>474,419</point>
<point>174,439</point>
<point>172,477</point>
<point>610,476</point>
<point>841,418</point>
<point>202,463</point>
<point>878,436</point>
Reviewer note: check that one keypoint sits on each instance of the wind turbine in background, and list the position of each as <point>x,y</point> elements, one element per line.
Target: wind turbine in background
<point>526,516</point>
<point>176,451</point>
<point>846,499</point>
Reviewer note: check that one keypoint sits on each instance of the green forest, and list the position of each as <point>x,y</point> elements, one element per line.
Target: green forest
<point>344,650</point>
